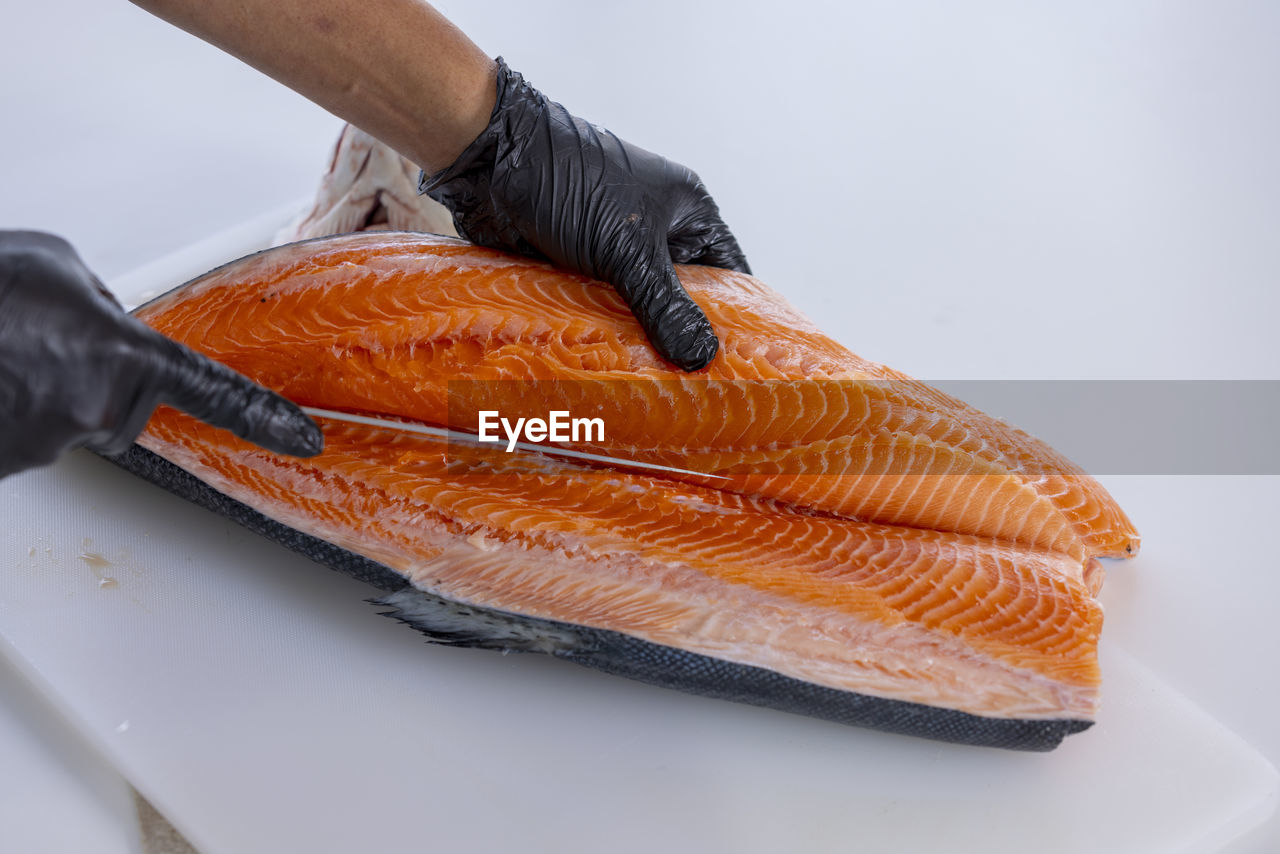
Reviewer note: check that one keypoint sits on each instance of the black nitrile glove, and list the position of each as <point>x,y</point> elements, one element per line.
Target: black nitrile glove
<point>75,369</point>
<point>541,182</point>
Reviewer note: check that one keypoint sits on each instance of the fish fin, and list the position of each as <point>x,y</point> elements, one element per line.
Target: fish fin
<point>457,624</point>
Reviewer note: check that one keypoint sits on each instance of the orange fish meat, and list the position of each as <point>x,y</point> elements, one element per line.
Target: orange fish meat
<point>842,540</point>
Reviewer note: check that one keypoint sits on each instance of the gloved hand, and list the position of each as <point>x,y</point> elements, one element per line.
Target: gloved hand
<point>541,182</point>
<point>75,369</point>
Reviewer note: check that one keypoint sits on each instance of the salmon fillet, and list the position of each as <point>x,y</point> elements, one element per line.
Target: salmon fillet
<point>390,323</point>
<point>845,541</point>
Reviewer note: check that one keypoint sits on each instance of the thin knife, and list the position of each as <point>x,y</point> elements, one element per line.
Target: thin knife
<point>472,439</point>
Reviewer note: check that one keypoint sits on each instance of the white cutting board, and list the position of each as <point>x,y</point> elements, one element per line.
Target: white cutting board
<point>263,706</point>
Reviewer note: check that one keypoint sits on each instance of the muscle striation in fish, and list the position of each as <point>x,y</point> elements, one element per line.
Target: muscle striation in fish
<point>844,541</point>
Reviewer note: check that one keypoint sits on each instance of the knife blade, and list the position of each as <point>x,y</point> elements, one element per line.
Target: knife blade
<point>470,438</point>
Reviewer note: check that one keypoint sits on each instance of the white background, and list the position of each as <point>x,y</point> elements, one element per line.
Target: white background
<point>1087,192</point>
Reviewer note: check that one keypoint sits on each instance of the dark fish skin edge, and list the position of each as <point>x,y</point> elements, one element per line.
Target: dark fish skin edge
<point>612,652</point>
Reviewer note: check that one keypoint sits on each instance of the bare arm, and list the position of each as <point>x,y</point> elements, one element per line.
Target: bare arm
<point>394,68</point>
<point>535,179</point>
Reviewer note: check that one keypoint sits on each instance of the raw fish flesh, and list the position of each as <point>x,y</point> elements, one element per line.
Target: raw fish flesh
<point>847,542</point>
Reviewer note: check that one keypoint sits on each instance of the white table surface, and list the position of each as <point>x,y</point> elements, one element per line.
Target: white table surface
<point>1090,192</point>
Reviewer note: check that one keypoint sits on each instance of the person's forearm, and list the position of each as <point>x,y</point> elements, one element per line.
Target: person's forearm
<point>394,68</point>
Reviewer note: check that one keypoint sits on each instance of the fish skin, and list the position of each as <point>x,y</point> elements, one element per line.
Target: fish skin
<point>515,318</point>
<point>368,186</point>
<point>610,652</point>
